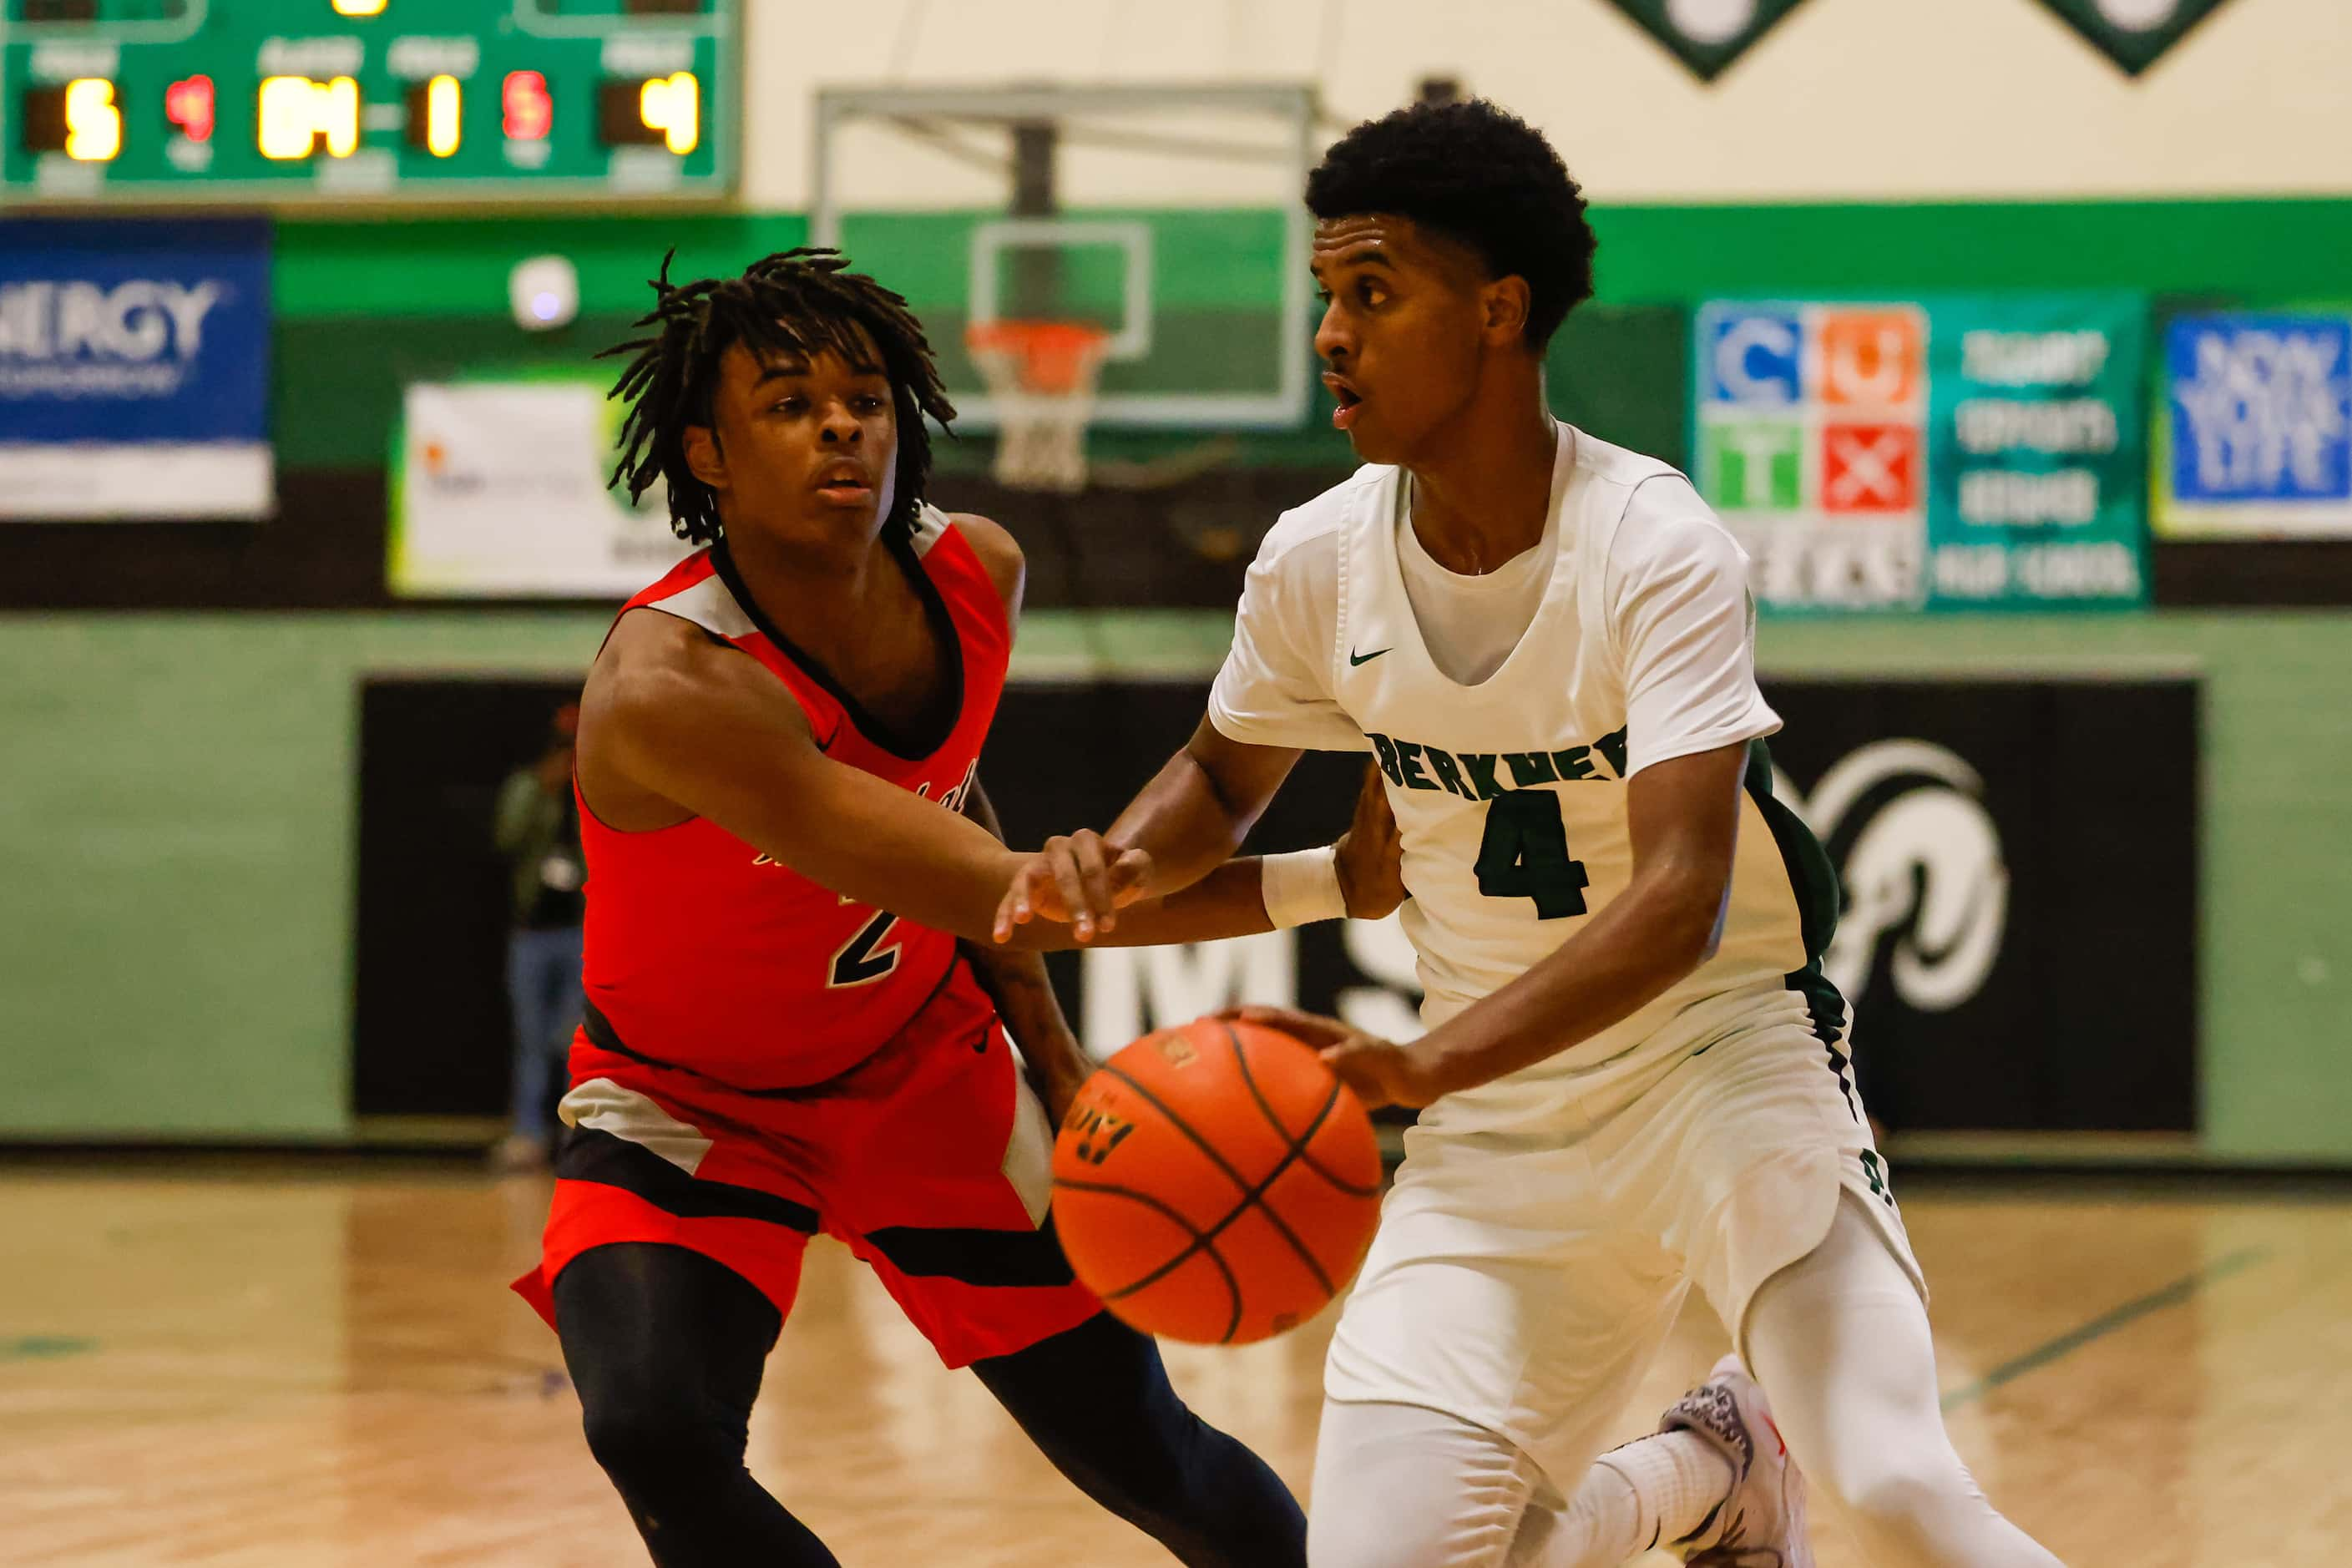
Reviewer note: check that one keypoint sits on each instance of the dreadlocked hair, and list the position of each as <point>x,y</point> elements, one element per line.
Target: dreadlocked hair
<point>798,304</point>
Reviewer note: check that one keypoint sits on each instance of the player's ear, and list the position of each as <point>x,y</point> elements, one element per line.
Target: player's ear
<point>704,459</point>
<point>1506,303</point>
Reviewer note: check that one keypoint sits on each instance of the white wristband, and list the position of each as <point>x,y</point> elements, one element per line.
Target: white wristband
<point>1301,887</point>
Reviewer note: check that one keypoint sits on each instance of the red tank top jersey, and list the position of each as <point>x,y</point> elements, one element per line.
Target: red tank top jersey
<point>705,954</point>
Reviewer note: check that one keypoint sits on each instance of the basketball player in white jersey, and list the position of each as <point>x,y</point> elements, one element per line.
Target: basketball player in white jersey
<point>1635,1077</point>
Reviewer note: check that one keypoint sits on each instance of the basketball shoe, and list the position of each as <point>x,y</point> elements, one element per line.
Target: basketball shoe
<point>1762,1523</point>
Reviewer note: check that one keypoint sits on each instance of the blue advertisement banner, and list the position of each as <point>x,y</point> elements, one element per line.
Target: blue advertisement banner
<point>2254,431</point>
<point>134,369</point>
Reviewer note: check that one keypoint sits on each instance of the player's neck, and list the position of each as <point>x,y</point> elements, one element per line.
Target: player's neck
<point>826,593</point>
<point>1486,498</point>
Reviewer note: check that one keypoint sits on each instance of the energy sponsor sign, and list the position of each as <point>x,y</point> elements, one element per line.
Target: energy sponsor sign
<point>1962,452</point>
<point>134,370</point>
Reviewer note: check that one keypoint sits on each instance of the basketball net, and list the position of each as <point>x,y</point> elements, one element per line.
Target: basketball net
<point>1040,377</point>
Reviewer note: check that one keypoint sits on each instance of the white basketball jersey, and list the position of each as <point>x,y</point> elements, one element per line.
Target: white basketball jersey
<point>1510,795</point>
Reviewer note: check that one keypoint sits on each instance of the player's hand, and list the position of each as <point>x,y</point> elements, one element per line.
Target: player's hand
<point>1075,880</point>
<point>1381,1072</point>
<point>1370,856</point>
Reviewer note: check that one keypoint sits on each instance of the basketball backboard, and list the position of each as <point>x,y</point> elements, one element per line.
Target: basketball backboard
<point>1168,217</point>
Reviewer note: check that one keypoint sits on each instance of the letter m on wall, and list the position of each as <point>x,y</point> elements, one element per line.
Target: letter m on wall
<point>1130,991</point>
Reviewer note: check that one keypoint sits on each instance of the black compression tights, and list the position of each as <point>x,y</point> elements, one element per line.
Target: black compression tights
<point>665,1348</point>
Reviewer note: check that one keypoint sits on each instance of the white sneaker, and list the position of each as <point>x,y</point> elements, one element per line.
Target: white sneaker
<point>1762,1523</point>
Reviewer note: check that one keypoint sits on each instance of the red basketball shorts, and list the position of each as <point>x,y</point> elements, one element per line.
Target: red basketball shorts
<point>931,1160</point>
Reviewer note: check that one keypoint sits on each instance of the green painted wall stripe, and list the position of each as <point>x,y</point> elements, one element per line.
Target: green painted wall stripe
<point>1649,254</point>
<point>457,267</point>
<point>177,794</point>
<point>2273,248</point>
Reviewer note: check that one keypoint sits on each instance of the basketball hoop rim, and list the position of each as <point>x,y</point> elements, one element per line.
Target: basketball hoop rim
<point>1048,356</point>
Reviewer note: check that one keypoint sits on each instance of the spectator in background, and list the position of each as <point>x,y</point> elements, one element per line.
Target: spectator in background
<point>537,832</point>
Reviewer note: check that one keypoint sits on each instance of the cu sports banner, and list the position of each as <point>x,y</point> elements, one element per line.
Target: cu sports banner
<point>498,491</point>
<point>134,369</point>
<point>2255,438</point>
<point>1940,454</point>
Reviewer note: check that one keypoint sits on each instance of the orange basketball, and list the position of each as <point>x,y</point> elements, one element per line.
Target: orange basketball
<point>1215,1183</point>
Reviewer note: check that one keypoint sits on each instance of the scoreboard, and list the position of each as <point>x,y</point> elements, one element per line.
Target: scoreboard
<point>263,101</point>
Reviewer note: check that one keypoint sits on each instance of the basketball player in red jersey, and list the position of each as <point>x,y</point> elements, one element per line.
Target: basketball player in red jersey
<point>786,836</point>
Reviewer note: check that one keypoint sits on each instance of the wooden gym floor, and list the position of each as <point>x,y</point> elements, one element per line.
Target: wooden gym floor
<point>277,1364</point>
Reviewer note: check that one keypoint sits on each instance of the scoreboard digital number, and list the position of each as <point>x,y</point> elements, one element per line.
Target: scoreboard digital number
<point>262,102</point>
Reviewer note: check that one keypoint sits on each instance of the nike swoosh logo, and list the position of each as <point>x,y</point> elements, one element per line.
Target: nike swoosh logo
<point>1354,657</point>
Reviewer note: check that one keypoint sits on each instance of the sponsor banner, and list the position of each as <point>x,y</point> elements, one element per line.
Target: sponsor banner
<point>2018,856</point>
<point>1706,35</point>
<point>1925,453</point>
<point>498,491</point>
<point>2133,33</point>
<point>2035,459</point>
<point>1811,427</point>
<point>2254,429</point>
<point>134,369</point>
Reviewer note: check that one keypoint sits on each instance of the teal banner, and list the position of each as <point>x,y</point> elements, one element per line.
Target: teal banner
<point>2037,451</point>
<point>1952,453</point>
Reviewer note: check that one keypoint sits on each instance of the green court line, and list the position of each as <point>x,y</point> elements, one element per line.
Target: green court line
<point>34,1347</point>
<point>2066,1345</point>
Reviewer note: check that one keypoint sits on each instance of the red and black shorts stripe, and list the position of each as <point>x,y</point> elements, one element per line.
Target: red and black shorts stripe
<point>930,1160</point>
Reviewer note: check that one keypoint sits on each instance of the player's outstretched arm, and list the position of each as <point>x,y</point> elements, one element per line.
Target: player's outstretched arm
<point>1186,821</point>
<point>1199,807</point>
<point>1231,900</point>
<point>1683,816</point>
<point>704,727</point>
<point>1024,997</point>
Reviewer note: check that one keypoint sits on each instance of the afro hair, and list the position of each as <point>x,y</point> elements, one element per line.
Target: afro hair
<point>1479,174</point>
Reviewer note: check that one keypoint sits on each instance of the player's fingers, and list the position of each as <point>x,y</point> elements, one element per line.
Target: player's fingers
<point>1094,877</point>
<point>1043,881</point>
<point>1019,905</point>
<point>1317,1031</point>
<point>1070,886</point>
<point>1005,917</point>
<point>1373,808</point>
<point>1129,874</point>
<point>1272,1018</point>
